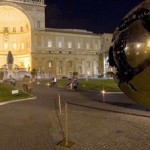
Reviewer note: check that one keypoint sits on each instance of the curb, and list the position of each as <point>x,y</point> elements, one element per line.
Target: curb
<point>100,93</point>
<point>14,101</point>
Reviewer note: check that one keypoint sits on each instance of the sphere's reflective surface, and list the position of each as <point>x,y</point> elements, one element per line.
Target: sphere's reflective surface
<point>130,54</point>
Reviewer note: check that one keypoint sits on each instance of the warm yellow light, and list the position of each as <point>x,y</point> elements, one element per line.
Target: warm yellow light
<point>138,45</point>
<point>103,91</point>
<point>12,19</point>
<point>15,35</point>
<point>126,48</point>
<point>14,46</point>
<point>110,69</point>
<point>5,45</point>
<point>49,43</point>
<point>79,45</point>
<point>148,43</point>
<point>60,44</point>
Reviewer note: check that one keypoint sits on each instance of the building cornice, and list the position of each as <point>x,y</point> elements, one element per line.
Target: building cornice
<point>71,31</point>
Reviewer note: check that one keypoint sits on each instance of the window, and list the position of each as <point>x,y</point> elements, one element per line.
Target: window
<point>5,45</point>
<point>79,70</point>
<point>69,44</point>
<point>78,45</point>
<point>60,70</point>
<point>50,64</point>
<point>69,63</point>
<point>14,29</point>
<point>87,46</point>
<point>5,30</point>
<point>60,67</point>
<point>60,52</point>
<point>69,52</point>
<point>14,46</point>
<point>21,29</point>
<point>49,43</point>
<point>27,27</point>
<point>22,45</point>
<point>88,64</point>
<point>60,44</point>
<point>96,46</point>
<point>38,24</point>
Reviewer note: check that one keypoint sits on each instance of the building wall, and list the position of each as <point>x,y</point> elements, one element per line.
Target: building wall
<point>34,10</point>
<point>68,52</point>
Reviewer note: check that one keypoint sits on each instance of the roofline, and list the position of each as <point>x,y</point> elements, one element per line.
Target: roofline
<point>75,31</point>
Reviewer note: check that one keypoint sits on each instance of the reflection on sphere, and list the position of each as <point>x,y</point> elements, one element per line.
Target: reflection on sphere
<point>130,54</point>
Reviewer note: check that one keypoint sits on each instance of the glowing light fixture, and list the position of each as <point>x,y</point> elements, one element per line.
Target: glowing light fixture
<point>148,43</point>
<point>138,45</point>
<point>88,73</point>
<point>103,91</point>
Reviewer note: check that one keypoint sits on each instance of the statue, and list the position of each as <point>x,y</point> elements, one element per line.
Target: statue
<point>10,60</point>
<point>130,54</point>
<point>12,70</point>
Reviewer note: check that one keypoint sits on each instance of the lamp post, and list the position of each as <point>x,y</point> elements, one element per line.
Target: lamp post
<point>38,83</point>
<point>103,95</point>
<point>48,84</point>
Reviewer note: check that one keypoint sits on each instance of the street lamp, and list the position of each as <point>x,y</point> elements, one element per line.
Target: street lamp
<point>103,94</point>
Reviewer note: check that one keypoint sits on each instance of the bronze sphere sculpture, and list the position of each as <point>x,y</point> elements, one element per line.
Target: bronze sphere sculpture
<point>130,54</point>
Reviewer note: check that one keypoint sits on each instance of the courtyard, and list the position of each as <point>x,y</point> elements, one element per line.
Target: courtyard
<point>38,124</point>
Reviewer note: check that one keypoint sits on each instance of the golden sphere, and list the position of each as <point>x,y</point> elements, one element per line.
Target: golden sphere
<point>130,54</point>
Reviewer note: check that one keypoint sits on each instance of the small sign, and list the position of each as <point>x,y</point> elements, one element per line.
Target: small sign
<point>14,91</point>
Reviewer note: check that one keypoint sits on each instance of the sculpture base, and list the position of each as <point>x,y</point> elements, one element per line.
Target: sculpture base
<point>63,143</point>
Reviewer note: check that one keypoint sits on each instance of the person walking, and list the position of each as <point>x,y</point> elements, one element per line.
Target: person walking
<point>54,81</point>
<point>75,83</point>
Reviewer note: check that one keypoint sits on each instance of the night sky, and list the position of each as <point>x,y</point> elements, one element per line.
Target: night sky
<point>98,16</point>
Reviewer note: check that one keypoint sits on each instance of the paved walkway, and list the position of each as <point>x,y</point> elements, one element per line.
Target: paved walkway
<point>117,124</point>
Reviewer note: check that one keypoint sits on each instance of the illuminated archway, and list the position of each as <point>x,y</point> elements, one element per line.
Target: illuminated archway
<point>15,36</point>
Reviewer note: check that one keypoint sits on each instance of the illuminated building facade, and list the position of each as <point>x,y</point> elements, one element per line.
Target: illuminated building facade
<point>58,52</point>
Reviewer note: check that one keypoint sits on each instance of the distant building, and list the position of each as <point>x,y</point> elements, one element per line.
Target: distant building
<point>58,52</point>
<point>106,39</point>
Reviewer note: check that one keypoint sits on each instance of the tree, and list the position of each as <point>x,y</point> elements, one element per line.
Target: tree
<point>75,74</point>
<point>33,72</point>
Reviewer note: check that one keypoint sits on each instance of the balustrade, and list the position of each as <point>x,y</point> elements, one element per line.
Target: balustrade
<point>38,2</point>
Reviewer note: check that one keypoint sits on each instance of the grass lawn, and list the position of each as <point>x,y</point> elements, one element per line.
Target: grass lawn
<point>6,93</point>
<point>94,85</point>
<point>99,85</point>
